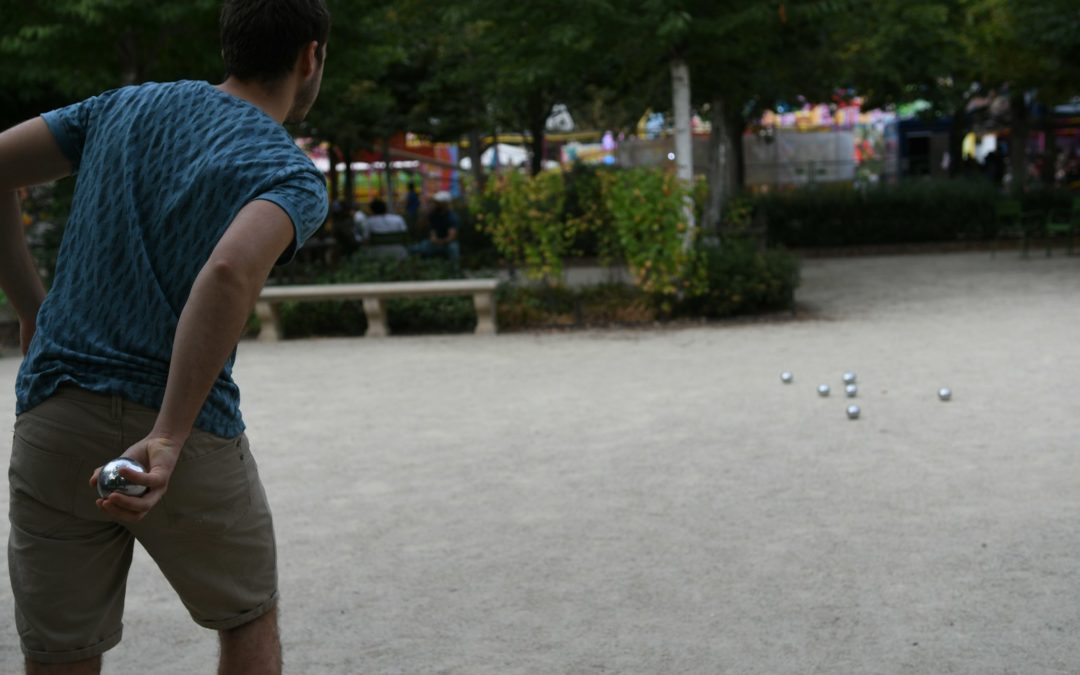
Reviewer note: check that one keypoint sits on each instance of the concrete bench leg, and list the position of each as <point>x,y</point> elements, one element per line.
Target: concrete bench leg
<point>376,319</point>
<point>269,320</point>
<point>485,313</point>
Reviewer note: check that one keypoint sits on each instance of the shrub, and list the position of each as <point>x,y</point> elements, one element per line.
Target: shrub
<point>540,306</point>
<point>587,213</point>
<point>530,306</point>
<point>523,216</point>
<point>741,279</point>
<point>647,211</point>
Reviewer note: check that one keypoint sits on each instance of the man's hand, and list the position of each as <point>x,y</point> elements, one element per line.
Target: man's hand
<point>159,455</point>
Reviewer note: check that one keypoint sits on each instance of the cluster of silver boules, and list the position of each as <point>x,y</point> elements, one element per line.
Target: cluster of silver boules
<point>110,480</point>
<point>851,390</point>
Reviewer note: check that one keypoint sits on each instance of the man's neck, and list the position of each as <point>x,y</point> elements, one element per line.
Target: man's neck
<point>275,102</point>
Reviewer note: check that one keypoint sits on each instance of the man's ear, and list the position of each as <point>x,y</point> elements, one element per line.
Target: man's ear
<point>307,62</point>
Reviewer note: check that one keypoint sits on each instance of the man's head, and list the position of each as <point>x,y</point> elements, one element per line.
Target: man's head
<point>377,206</point>
<point>265,41</point>
<point>442,200</point>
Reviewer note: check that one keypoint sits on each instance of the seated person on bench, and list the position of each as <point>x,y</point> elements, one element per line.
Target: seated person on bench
<point>384,233</point>
<point>444,227</point>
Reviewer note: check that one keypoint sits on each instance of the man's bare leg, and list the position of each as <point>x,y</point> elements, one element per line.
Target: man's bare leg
<point>252,649</point>
<point>91,666</point>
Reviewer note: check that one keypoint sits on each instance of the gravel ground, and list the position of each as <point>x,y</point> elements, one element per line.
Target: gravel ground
<point>656,501</point>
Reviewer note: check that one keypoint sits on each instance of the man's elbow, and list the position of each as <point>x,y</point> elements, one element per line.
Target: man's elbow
<point>232,276</point>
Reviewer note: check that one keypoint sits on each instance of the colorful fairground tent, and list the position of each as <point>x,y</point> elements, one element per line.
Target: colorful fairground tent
<point>820,143</point>
<point>432,167</point>
<point>428,167</point>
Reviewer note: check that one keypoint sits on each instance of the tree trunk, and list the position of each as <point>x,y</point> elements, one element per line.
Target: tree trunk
<point>680,99</point>
<point>684,149</point>
<point>350,179</point>
<point>475,152</point>
<point>1049,167</point>
<point>1018,141</point>
<point>721,166</point>
<point>331,154</point>
<point>536,143</point>
<point>957,129</point>
<point>389,171</point>
<point>736,124</point>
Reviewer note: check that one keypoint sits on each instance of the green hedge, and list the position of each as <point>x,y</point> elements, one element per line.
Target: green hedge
<point>740,279</point>
<point>923,211</point>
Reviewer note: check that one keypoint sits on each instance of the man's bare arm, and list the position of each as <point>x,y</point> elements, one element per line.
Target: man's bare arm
<point>213,318</point>
<point>18,273</point>
<point>29,155</point>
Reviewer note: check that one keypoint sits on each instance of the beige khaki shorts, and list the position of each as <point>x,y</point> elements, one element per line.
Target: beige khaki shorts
<point>211,534</point>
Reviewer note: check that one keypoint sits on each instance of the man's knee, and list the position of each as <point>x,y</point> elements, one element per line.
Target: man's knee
<point>252,648</point>
<point>264,623</point>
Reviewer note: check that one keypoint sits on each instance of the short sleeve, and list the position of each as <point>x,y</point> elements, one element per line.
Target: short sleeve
<point>302,195</point>
<point>70,125</point>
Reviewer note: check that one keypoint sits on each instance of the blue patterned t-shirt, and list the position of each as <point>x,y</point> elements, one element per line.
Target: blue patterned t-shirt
<point>162,171</point>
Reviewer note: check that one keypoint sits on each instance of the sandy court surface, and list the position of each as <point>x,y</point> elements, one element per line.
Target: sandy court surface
<point>656,501</point>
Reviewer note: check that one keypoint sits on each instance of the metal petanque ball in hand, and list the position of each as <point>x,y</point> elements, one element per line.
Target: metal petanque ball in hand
<point>851,390</point>
<point>944,393</point>
<point>853,412</point>
<point>786,377</point>
<point>110,480</point>
<point>823,390</point>
<point>849,377</point>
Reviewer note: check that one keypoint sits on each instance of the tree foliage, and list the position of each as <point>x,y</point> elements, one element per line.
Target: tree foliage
<point>466,68</point>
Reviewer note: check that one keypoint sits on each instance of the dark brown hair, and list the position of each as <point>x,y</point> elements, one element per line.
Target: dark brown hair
<point>260,39</point>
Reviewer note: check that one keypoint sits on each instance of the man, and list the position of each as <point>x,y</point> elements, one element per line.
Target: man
<point>443,238</point>
<point>384,233</point>
<point>187,195</point>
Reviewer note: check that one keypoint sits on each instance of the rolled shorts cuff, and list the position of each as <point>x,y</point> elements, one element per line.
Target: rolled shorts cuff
<point>75,654</point>
<point>246,617</point>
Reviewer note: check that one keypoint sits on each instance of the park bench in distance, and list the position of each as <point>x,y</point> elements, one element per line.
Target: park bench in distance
<point>372,295</point>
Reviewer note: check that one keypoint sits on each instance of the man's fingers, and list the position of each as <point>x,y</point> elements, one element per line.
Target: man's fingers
<point>126,508</point>
<point>94,478</point>
<point>150,479</point>
<point>118,513</point>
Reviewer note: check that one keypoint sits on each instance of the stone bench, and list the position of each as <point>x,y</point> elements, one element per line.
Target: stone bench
<point>372,295</point>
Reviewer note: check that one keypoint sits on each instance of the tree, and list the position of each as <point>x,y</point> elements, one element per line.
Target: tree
<point>1032,48</point>
<point>740,56</point>
<point>947,51</point>
<point>77,48</point>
